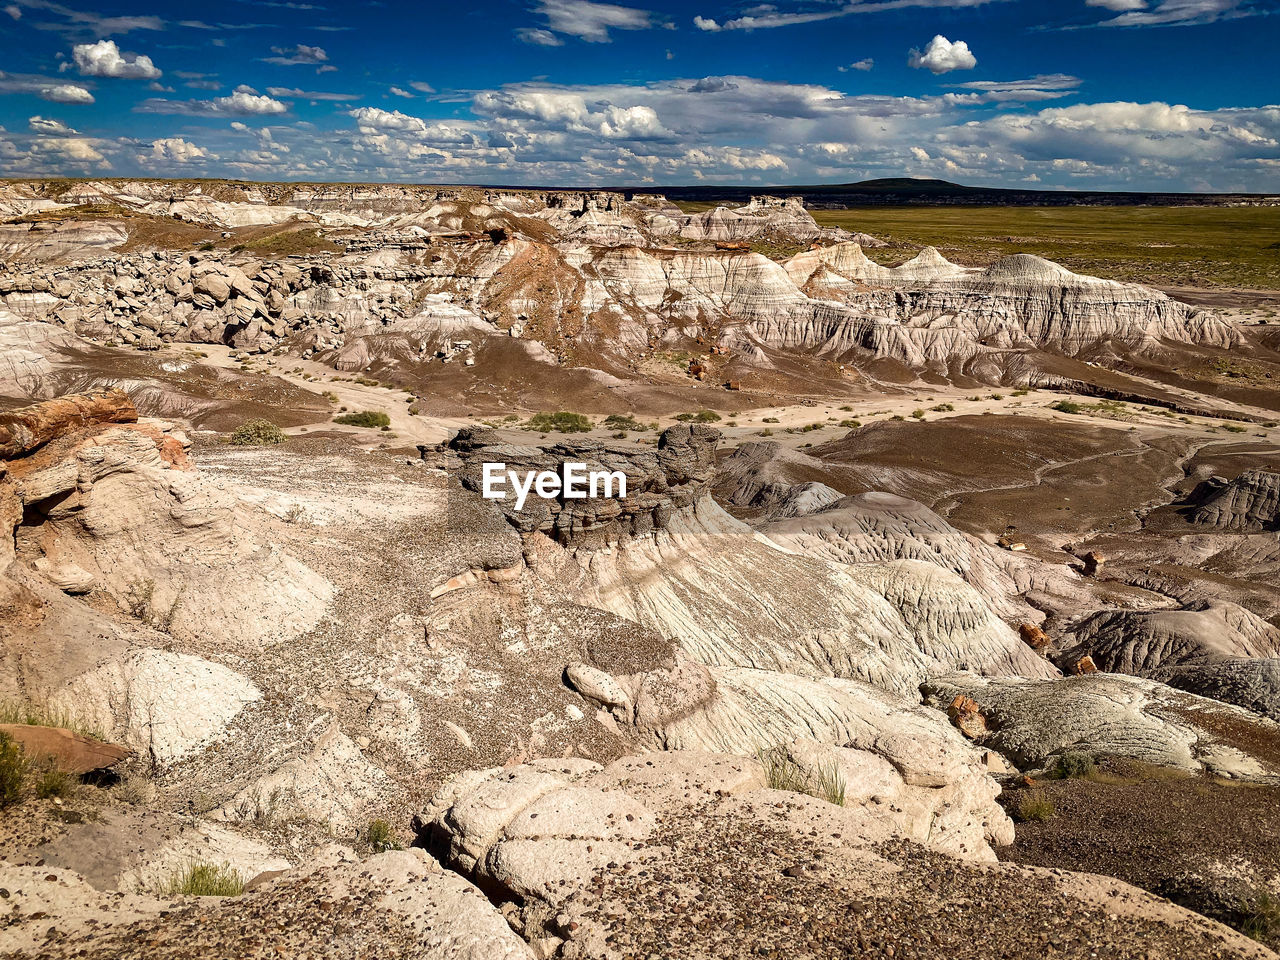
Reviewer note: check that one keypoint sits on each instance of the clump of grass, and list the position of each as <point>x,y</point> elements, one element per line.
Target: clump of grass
<point>1260,917</point>
<point>364,418</point>
<point>1233,428</point>
<point>770,420</point>
<point>945,407</point>
<point>257,433</point>
<point>918,414</point>
<point>381,837</point>
<point>783,772</point>
<point>201,879</point>
<point>702,416</point>
<point>766,432</point>
<point>1033,806</point>
<point>13,771</point>
<point>46,715</point>
<point>851,424</point>
<point>1075,765</point>
<point>54,783</point>
<point>562,421</point>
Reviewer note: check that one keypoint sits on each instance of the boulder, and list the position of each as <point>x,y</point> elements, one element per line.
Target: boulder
<point>72,752</point>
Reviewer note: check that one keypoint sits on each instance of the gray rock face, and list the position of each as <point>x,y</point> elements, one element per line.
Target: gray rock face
<point>1219,650</point>
<point>940,311</point>
<point>1248,504</point>
<point>1032,722</point>
<point>658,482</point>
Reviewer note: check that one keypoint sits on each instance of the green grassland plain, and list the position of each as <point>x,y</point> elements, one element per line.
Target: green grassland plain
<point>1212,247</point>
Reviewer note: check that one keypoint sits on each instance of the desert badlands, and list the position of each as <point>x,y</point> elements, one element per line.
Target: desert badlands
<point>929,610</point>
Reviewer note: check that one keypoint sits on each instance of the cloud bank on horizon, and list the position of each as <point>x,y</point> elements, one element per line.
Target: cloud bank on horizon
<point>1085,94</point>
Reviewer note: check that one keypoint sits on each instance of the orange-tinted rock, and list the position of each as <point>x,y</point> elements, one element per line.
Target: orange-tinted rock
<point>73,752</point>
<point>1086,665</point>
<point>1033,636</point>
<point>1093,563</point>
<point>967,718</point>
<point>30,428</point>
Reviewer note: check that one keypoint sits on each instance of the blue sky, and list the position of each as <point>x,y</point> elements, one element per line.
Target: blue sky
<point>1123,94</point>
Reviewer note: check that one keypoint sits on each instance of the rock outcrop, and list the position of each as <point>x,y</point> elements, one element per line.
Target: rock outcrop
<point>658,482</point>
<point>1217,649</point>
<point>1034,722</point>
<point>1248,504</point>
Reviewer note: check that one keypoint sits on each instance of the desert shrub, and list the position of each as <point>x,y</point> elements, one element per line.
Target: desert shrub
<point>897,416</point>
<point>1067,406</point>
<point>1032,806</point>
<point>623,421</point>
<point>1233,428</point>
<point>381,837</point>
<point>997,396</point>
<point>1075,765</point>
<point>702,416</point>
<point>847,409</point>
<point>770,420</point>
<point>1021,393</point>
<point>767,432</point>
<point>205,880</point>
<point>851,424</point>
<point>943,408</point>
<point>364,418</point>
<point>13,771</point>
<point>561,422</point>
<point>257,433</point>
<point>918,414</point>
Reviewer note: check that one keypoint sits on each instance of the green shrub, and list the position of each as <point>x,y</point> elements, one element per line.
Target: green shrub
<point>770,420</point>
<point>1067,406</point>
<point>257,433</point>
<point>943,408</point>
<point>364,418</point>
<point>381,837</point>
<point>851,424</point>
<point>1033,806</point>
<point>767,432</point>
<point>560,422</point>
<point>702,416</point>
<point>13,771</point>
<point>205,880</point>
<point>918,414</point>
<point>1233,428</point>
<point>1075,765</point>
<point>626,421</point>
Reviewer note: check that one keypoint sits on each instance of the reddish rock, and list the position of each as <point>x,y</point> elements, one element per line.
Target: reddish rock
<point>1086,665</point>
<point>28,429</point>
<point>967,718</point>
<point>1033,636</point>
<point>73,752</point>
<point>1093,563</point>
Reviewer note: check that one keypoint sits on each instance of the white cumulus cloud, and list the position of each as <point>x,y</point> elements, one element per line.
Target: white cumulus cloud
<point>104,59</point>
<point>942,56</point>
<point>177,150</point>
<point>66,93</point>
